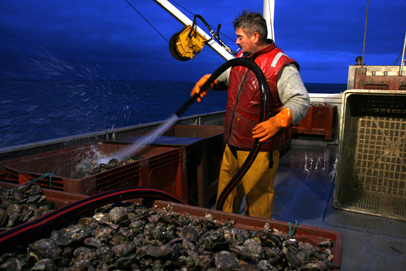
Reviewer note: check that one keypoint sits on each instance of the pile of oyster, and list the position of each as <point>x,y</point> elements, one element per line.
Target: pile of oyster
<point>127,236</point>
<point>90,166</point>
<point>112,163</point>
<point>21,204</point>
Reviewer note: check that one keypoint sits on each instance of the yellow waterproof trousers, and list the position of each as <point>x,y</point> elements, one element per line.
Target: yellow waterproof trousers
<point>257,184</point>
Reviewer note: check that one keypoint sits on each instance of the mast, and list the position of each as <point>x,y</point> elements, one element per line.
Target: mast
<point>402,63</point>
<point>268,13</point>
<point>365,34</point>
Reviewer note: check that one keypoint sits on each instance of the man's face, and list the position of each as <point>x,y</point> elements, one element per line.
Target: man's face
<point>246,44</point>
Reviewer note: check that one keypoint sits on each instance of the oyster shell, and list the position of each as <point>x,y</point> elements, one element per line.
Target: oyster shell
<point>70,234</point>
<point>45,248</point>
<point>132,237</point>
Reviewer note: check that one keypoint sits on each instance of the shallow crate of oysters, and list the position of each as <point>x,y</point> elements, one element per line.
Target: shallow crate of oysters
<point>75,169</point>
<point>170,236</point>
<point>26,202</point>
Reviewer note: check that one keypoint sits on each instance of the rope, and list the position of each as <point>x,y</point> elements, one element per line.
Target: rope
<point>147,21</point>
<point>292,231</point>
<point>36,180</point>
<point>195,15</point>
<point>398,58</point>
<point>163,35</point>
<point>214,35</point>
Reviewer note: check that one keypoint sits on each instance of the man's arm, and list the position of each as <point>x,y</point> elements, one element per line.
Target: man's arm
<point>295,100</point>
<point>223,80</point>
<point>293,93</point>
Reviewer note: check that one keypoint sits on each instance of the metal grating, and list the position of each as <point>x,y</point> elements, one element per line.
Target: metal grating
<point>361,199</point>
<point>399,206</point>
<point>380,155</point>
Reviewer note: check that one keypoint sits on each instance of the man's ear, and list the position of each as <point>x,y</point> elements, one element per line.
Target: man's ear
<point>255,37</point>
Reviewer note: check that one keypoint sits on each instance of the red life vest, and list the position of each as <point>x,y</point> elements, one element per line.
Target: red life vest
<point>244,97</point>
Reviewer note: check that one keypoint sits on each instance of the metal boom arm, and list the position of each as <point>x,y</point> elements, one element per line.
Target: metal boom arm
<point>183,19</point>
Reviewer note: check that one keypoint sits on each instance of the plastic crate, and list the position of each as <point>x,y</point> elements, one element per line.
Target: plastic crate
<point>161,168</point>
<point>204,147</point>
<point>302,233</point>
<point>318,121</point>
<point>212,152</point>
<point>60,198</point>
<point>370,78</point>
<point>371,173</point>
<point>206,159</point>
<point>204,150</point>
<point>196,131</point>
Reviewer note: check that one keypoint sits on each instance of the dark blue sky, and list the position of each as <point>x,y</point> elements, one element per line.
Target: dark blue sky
<point>109,39</point>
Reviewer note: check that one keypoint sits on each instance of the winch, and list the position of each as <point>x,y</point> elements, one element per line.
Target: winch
<point>186,44</point>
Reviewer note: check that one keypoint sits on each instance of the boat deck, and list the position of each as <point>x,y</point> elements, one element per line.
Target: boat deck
<point>304,189</point>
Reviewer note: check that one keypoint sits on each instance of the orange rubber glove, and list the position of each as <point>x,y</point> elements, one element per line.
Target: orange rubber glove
<point>269,128</point>
<point>196,88</point>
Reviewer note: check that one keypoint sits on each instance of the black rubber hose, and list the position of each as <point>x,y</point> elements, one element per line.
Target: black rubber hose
<point>263,87</point>
<point>49,221</point>
<point>239,61</point>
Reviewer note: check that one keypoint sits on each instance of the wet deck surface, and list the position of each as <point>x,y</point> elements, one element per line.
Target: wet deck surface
<point>304,189</point>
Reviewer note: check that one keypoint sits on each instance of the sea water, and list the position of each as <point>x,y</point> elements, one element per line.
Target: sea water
<point>37,110</point>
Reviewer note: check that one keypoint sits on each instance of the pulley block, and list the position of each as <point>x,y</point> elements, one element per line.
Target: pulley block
<point>186,44</point>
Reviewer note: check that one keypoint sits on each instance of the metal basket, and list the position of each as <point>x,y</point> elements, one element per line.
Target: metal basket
<point>371,172</point>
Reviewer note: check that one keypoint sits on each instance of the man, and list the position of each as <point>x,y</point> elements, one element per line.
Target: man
<point>288,104</point>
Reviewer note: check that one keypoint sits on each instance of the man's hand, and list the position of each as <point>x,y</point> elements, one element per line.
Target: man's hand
<point>196,88</point>
<point>269,128</point>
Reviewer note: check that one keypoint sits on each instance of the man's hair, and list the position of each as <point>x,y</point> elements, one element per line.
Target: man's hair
<point>251,22</point>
